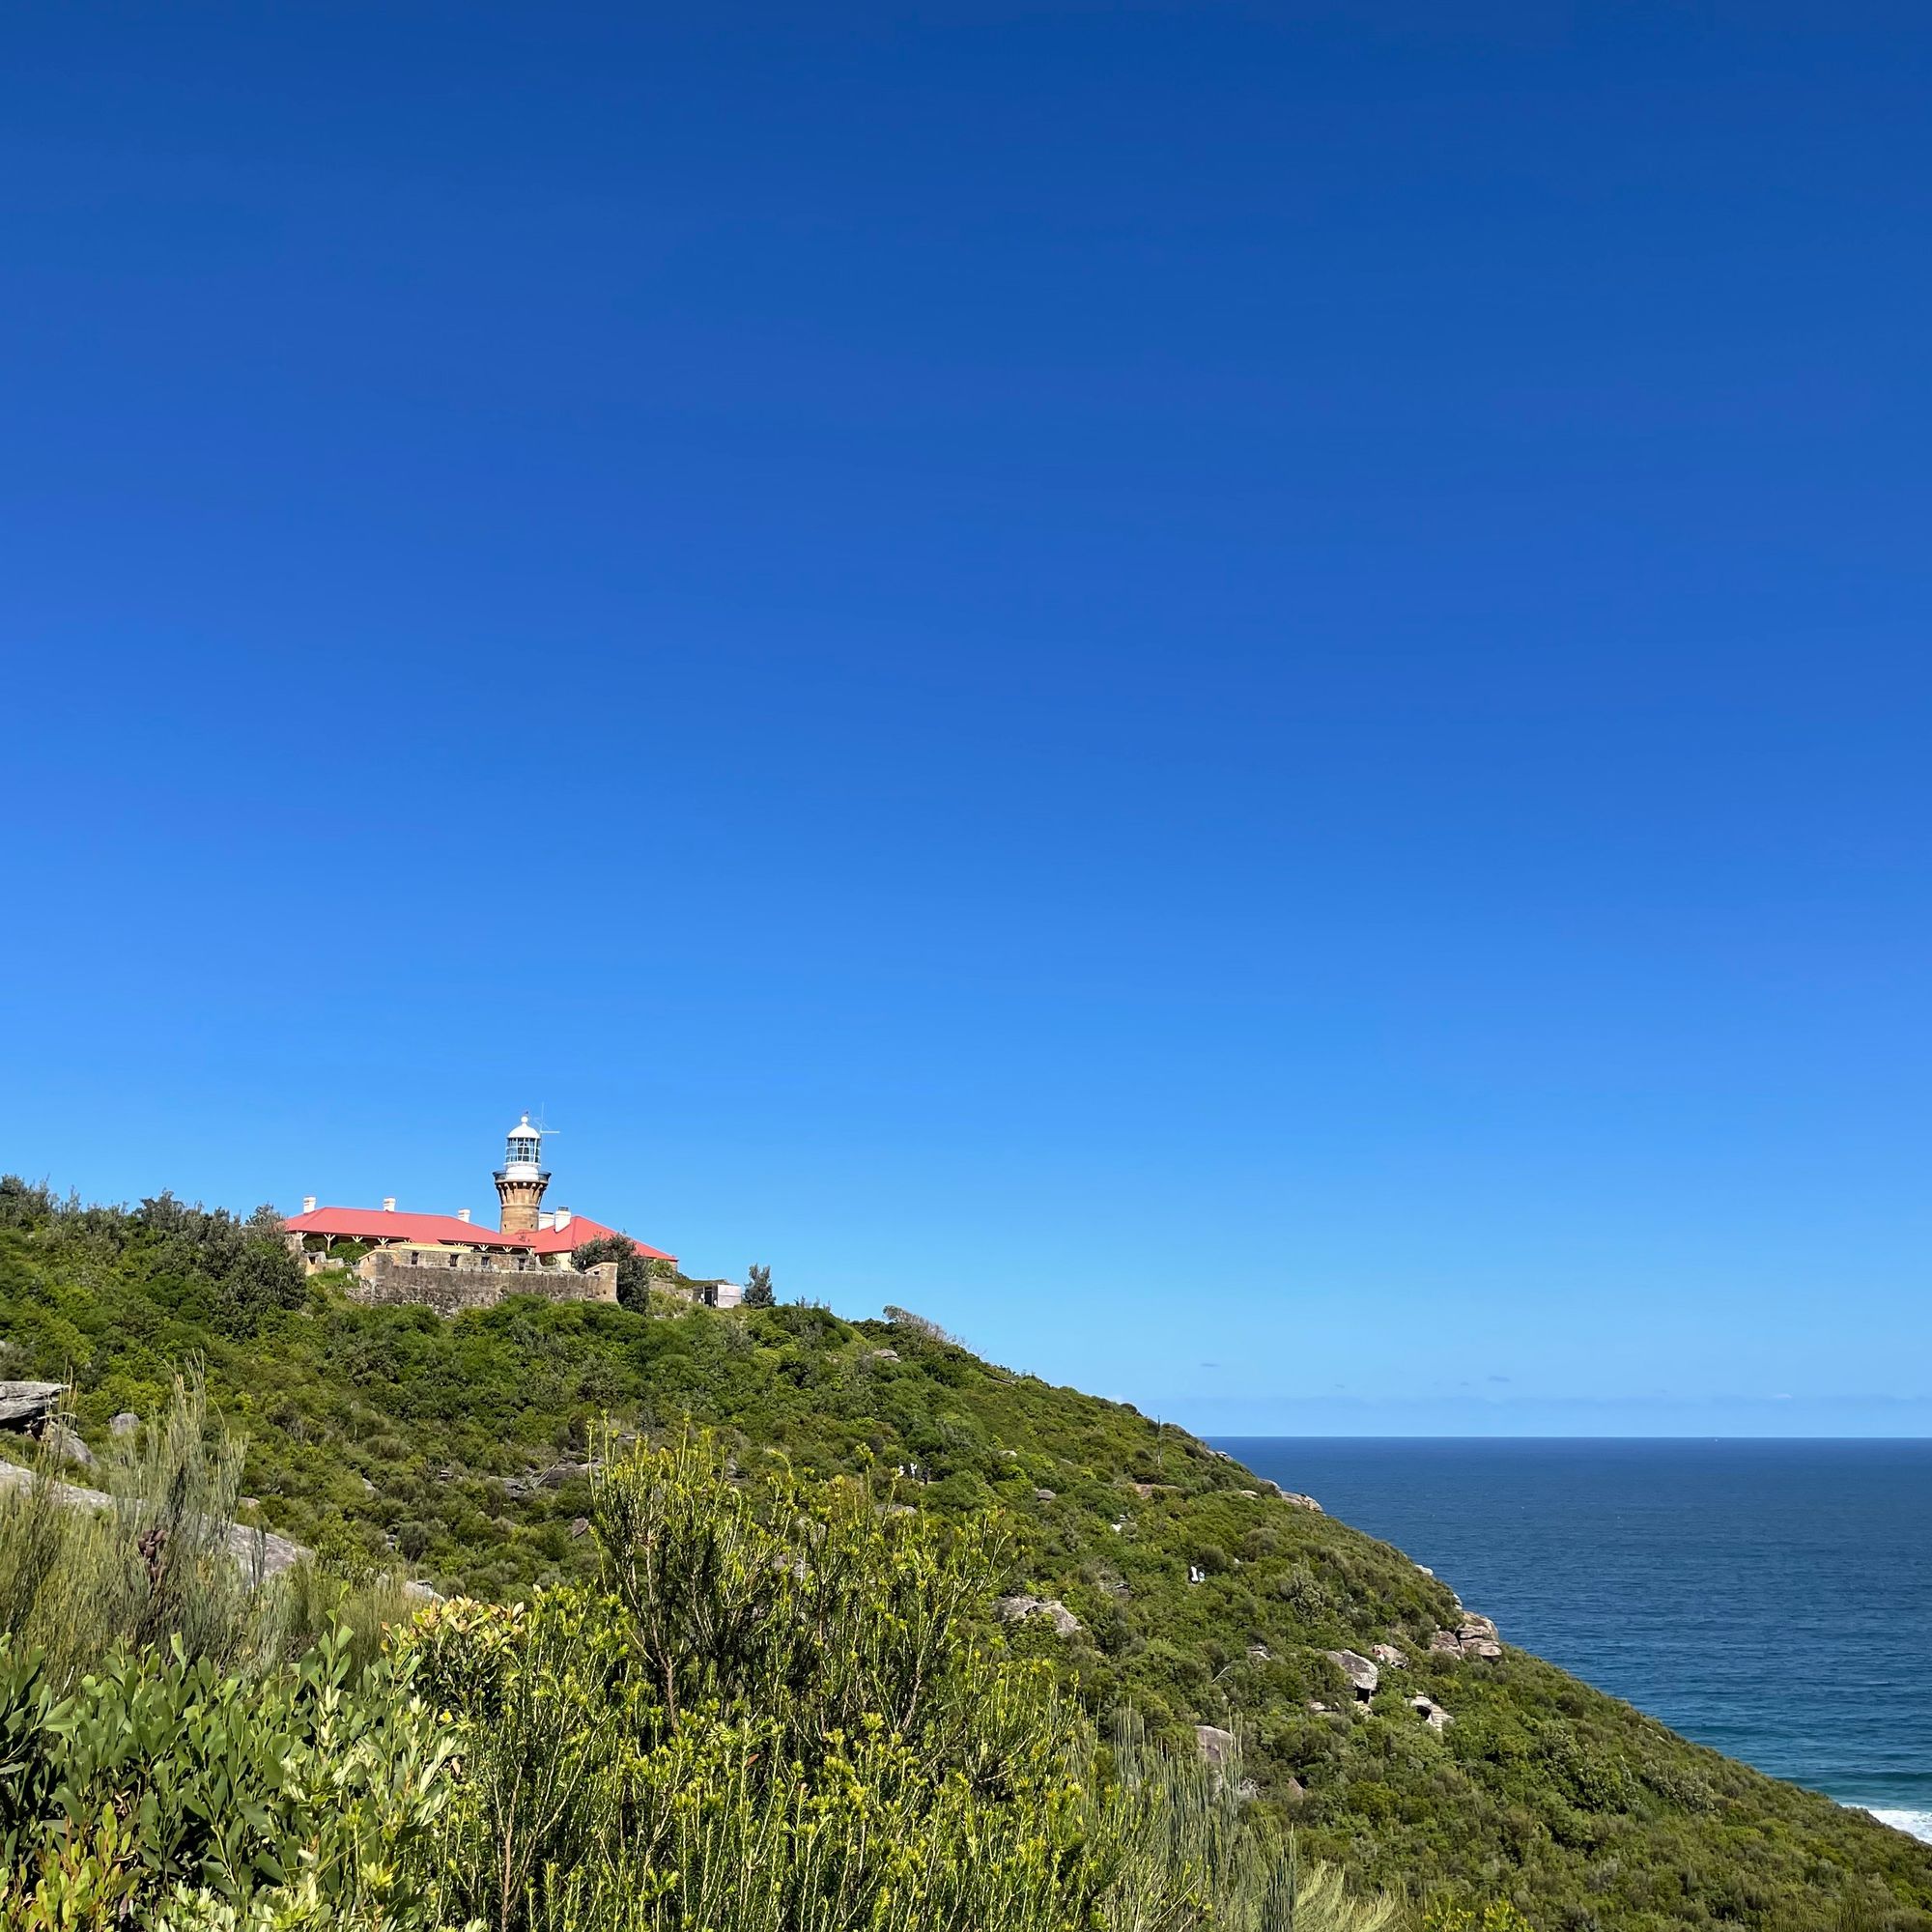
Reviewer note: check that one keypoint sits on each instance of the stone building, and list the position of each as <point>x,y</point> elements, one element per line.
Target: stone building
<point>448,1262</point>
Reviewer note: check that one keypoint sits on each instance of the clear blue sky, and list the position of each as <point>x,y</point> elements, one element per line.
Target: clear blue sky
<point>1235,696</point>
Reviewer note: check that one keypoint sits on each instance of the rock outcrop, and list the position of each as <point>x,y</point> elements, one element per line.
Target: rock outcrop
<point>1472,1637</point>
<point>1362,1675</point>
<point>1432,1713</point>
<point>1017,1609</point>
<point>1294,1496</point>
<point>1388,1654</point>
<point>27,1405</point>
<point>260,1552</point>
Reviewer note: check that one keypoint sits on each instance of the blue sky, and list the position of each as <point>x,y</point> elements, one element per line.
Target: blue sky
<point>1234,695</point>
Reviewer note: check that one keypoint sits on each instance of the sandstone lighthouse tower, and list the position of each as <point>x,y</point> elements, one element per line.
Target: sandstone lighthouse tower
<point>521,1181</point>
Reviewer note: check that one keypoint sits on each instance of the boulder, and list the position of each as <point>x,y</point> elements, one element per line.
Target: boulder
<point>1217,1745</point>
<point>1387,1653</point>
<point>1293,1790</point>
<point>1260,1653</point>
<point>1046,1496</point>
<point>65,1443</point>
<point>126,1424</point>
<point>1017,1609</point>
<point>23,1404</point>
<point>1361,1672</point>
<point>1432,1713</point>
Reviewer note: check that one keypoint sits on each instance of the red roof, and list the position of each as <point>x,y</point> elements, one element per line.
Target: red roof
<point>383,1224</point>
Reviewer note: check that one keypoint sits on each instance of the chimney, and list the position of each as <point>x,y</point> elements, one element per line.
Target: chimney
<point>308,1204</point>
<point>546,1221</point>
<point>462,1213</point>
<point>388,1204</point>
<point>562,1219</point>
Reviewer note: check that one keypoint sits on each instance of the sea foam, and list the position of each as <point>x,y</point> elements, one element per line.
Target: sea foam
<point>1918,1824</point>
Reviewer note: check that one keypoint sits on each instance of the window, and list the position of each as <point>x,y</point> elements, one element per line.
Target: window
<point>523,1149</point>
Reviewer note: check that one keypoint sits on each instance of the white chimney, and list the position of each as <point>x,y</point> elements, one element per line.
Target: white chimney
<point>388,1204</point>
<point>546,1220</point>
<point>462,1213</point>
<point>562,1218</point>
<point>308,1204</point>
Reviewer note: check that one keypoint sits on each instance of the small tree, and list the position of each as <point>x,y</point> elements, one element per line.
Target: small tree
<point>757,1286</point>
<point>634,1271</point>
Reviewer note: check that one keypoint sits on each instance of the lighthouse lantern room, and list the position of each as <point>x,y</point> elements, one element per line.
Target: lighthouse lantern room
<point>521,1181</point>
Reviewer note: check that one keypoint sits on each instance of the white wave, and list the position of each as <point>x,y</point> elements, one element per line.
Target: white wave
<point>1916,1824</point>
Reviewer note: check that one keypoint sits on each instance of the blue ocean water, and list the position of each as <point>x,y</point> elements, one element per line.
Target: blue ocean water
<point>1771,1599</point>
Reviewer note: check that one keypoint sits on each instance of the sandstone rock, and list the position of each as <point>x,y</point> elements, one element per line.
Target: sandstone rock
<point>65,1443</point>
<point>1361,1672</point>
<point>1294,1791</point>
<point>1260,1653</point>
<point>1217,1745</point>
<point>1046,1496</point>
<point>1479,1635</point>
<point>127,1423</point>
<point>1302,1502</point>
<point>1017,1609</point>
<point>1432,1713</point>
<point>25,1403</point>
<point>1472,1637</point>
<point>260,1552</point>
<point>580,1525</point>
<point>1387,1653</point>
<point>884,1355</point>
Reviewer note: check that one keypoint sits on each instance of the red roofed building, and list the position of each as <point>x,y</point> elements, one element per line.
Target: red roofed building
<point>530,1235</point>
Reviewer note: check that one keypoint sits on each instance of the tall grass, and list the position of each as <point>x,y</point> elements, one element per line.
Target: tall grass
<point>159,1563</point>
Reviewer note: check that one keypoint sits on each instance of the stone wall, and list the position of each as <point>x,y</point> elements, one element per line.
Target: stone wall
<point>423,1278</point>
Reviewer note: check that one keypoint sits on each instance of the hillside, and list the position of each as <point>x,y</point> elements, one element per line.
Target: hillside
<point>462,1446</point>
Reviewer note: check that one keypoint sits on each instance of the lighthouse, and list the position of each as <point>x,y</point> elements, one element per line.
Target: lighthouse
<point>521,1182</point>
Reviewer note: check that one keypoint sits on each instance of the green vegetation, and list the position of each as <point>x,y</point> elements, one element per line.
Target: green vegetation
<point>467,1447</point>
<point>783,1713</point>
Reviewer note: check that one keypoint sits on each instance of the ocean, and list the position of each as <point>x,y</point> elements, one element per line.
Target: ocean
<point>1770,1599</point>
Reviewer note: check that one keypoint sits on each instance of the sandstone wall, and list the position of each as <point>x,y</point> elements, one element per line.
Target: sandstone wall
<point>423,1278</point>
